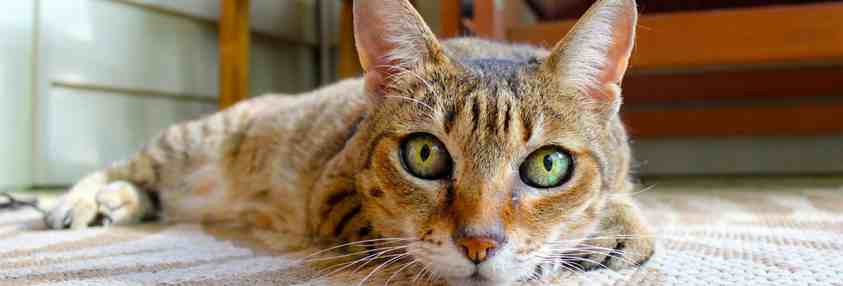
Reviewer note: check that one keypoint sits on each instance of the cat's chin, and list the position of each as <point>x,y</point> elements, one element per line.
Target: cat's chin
<point>475,280</point>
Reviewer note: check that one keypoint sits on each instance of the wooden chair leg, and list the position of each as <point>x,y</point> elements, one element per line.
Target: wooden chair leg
<point>450,19</point>
<point>234,37</point>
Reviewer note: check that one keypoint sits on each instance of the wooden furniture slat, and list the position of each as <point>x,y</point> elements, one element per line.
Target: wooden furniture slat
<point>449,17</point>
<point>488,20</point>
<point>776,34</point>
<point>234,51</point>
<point>736,84</point>
<point>492,17</point>
<point>802,119</point>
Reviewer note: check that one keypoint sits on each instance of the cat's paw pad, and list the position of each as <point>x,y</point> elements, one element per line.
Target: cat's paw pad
<point>116,203</point>
<point>616,252</point>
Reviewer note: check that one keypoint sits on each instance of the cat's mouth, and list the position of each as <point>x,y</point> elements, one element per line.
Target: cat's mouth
<point>476,276</point>
<point>474,280</point>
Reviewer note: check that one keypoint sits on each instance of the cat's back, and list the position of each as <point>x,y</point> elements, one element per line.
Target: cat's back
<point>347,93</point>
<point>308,129</point>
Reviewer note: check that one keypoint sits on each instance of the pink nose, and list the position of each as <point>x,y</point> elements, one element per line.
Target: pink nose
<point>478,249</point>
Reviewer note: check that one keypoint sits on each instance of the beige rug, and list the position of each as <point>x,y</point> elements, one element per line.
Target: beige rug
<point>720,232</point>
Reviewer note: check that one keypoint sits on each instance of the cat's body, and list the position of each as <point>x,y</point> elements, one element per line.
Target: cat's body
<point>331,165</point>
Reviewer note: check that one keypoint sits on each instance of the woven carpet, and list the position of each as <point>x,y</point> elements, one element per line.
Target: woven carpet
<point>710,232</point>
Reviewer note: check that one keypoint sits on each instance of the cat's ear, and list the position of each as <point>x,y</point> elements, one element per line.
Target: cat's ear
<point>594,55</point>
<point>391,37</point>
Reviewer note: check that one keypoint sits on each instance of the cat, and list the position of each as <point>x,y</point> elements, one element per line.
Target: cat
<point>486,162</point>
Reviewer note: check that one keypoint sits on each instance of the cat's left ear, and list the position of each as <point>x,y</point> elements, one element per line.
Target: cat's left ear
<point>594,55</point>
<point>391,37</point>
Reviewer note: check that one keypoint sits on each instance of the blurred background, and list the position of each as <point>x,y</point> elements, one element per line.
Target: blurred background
<point>736,88</point>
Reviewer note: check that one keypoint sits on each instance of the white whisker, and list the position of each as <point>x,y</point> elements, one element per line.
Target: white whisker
<point>577,258</point>
<point>381,266</point>
<point>430,108</point>
<point>423,270</point>
<point>345,255</point>
<point>390,239</point>
<point>364,260</point>
<point>375,258</point>
<point>399,271</point>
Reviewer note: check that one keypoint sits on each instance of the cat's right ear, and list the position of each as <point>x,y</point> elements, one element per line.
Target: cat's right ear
<point>391,37</point>
<point>595,54</point>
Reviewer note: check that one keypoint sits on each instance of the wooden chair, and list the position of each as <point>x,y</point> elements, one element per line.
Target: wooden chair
<point>768,70</point>
<point>234,40</point>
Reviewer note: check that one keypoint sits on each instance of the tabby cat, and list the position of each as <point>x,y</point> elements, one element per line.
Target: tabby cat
<point>490,163</point>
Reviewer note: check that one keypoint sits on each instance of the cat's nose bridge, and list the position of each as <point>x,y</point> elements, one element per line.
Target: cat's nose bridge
<point>479,203</point>
<point>480,210</point>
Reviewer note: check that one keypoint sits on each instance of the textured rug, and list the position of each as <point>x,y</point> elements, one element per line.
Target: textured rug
<point>721,232</point>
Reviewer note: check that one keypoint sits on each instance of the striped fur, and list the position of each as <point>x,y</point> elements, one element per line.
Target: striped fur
<point>324,167</point>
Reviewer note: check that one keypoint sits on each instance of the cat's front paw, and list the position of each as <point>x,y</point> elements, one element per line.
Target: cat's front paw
<point>616,251</point>
<point>624,239</point>
<point>93,202</point>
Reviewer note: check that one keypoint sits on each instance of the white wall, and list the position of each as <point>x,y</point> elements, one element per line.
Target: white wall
<point>15,93</point>
<point>111,75</point>
<point>86,82</point>
<point>290,19</point>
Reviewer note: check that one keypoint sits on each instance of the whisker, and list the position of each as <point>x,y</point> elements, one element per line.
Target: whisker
<point>375,258</point>
<point>635,193</point>
<point>604,238</point>
<point>429,108</point>
<point>349,254</point>
<point>616,254</point>
<point>621,236</point>
<point>645,189</point>
<point>536,276</point>
<point>429,277</point>
<point>366,260</point>
<point>423,270</point>
<point>400,71</point>
<point>399,271</point>
<point>573,267</point>
<point>381,266</point>
<point>577,258</point>
<point>391,239</point>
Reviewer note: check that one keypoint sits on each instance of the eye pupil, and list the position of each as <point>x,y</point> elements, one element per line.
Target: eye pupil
<point>424,153</point>
<point>425,157</point>
<point>547,167</point>
<point>548,162</point>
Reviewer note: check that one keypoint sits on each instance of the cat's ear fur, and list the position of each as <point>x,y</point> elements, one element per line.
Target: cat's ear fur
<point>391,37</point>
<point>594,55</point>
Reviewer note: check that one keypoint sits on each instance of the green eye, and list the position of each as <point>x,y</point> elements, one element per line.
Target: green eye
<point>425,157</point>
<point>547,167</point>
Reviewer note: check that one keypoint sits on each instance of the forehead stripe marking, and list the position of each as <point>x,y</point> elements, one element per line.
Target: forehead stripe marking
<point>448,123</point>
<point>492,111</point>
<point>475,114</point>
<point>506,120</point>
<point>527,127</point>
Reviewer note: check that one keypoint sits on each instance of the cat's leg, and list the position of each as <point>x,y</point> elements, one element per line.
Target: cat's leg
<point>623,239</point>
<point>96,200</point>
<point>173,166</point>
<point>108,196</point>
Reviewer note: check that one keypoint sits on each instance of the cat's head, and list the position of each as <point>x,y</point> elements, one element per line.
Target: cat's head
<point>493,156</point>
